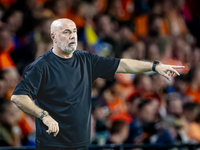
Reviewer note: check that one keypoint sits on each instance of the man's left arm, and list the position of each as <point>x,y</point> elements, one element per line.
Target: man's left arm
<point>136,66</point>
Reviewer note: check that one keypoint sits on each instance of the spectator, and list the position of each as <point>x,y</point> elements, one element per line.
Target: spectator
<point>143,84</point>
<point>14,19</point>
<point>3,85</point>
<point>118,132</point>
<point>132,104</point>
<point>5,59</point>
<point>176,25</point>
<point>181,84</point>
<point>163,30</point>
<point>194,82</point>
<point>153,52</point>
<point>10,132</point>
<point>192,128</point>
<point>43,39</point>
<point>174,105</point>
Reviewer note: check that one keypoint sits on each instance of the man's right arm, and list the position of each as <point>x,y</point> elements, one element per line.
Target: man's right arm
<point>28,106</point>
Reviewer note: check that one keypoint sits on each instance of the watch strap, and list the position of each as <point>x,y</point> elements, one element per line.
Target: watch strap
<point>154,65</point>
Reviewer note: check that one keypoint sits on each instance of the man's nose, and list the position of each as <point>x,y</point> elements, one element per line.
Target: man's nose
<point>72,36</point>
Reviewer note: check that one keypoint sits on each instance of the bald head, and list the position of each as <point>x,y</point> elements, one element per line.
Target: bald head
<point>60,23</point>
<point>64,35</point>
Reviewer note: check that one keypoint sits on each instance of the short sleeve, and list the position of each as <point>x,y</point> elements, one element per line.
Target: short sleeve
<point>30,83</point>
<point>104,67</point>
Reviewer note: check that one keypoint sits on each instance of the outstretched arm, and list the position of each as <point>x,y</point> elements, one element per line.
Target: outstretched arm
<point>136,66</point>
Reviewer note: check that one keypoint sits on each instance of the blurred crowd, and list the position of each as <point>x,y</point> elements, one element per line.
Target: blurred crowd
<point>138,108</point>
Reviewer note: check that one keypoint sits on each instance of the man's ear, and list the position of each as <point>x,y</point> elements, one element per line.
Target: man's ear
<point>53,37</point>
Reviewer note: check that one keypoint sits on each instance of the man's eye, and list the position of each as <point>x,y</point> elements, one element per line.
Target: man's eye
<point>74,31</point>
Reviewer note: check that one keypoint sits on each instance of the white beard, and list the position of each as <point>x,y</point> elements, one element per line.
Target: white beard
<point>64,47</point>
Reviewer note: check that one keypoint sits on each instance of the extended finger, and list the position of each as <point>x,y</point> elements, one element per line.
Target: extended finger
<point>177,67</point>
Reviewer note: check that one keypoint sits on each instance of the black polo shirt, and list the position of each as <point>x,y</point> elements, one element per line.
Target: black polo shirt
<point>63,88</point>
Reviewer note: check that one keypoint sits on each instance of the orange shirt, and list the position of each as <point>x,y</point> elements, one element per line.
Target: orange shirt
<point>126,10</point>
<point>41,2</point>
<point>116,106</point>
<point>101,5</point>
<point>194,131</point>
<point>7,3</point>
<point>125,84</point>
<point>121,116</point>
<point>164,29</point>
<point>5,60</point>
<point>141,26</point>
<point>80,22</point>
<point>194,94</point>
<point>174,19</point>
<point>26,124</point>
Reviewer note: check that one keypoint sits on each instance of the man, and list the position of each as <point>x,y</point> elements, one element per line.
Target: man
<point>60,83</point>
<point>174,105</point>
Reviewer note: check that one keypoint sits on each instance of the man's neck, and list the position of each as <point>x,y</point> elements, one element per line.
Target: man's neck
<point>61,53</point>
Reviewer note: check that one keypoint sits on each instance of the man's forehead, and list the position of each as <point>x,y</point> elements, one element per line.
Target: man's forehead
<point>68,25</point>
<point>62,24</point>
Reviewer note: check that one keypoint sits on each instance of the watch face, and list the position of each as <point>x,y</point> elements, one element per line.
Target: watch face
<point>46,113</point>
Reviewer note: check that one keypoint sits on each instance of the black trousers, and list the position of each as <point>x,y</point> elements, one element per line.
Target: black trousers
<point>59,148</point>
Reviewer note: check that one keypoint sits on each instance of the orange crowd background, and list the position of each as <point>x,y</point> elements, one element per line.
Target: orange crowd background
<point>139,108</point>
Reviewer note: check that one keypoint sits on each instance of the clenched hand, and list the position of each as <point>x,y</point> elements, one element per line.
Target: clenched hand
<point>168,70</point>
<point>51,124</point>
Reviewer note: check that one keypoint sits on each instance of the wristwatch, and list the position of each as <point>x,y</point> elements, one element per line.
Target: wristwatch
<point>44,114</point>
<point>154,65</point>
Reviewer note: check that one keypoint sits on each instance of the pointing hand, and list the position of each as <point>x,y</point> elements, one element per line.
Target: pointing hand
<point>168,70</point>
